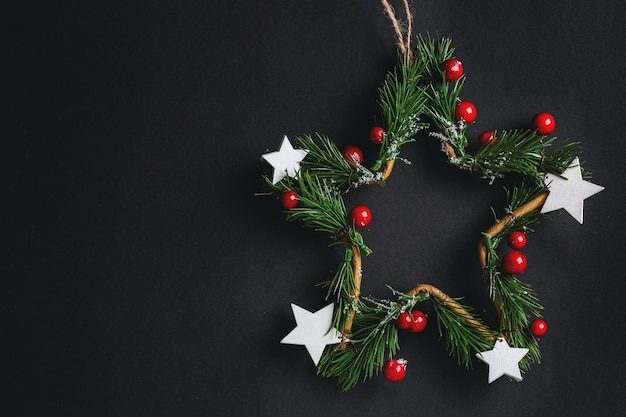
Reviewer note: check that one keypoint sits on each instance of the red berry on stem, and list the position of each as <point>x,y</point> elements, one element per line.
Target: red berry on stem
<point>487,138</point>
<point>353,153</point>
<point>452,68</point>
<point>360,215</point>
<point>418,322</point>
<point>394,370</point>
<point>514,262</point>
<point>404,320</point>
<point>465,111</point>
<point>289,199</point>
<point>538,328</point>
<point>544,123</point>
<point>377,134</point>
<point>516,240</point>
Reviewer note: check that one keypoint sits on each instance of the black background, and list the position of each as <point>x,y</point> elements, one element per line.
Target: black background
<point>141,276</point>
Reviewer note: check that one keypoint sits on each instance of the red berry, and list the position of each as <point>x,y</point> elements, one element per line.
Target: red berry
<point>353,153</point>
<point>465,111</point>
<point>544,123</point>
<point>360,215</point>
<point>487,138</point>
<point>452,68</point>
<point>377,134</point>
<point>514,262</point>
<point>404,320</point>
<point>418,323</point>
<point>395,370</point>
<point>516,240</point>
<point>538,328</point>
<point>289,199</point>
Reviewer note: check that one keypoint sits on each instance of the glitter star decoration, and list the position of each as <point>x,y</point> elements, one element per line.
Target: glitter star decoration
<point>569,192</point>
<point>503,360</point>
<point>313,330</point>
<point>286,160</point>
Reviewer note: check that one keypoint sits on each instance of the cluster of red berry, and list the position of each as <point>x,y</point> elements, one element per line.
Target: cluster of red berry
<point>414,321</point>
<point>514,262</point>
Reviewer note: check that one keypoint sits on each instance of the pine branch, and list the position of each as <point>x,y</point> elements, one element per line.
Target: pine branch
<point>326,161</point>
<point>342,287</point>
<point>520,151</point>
<point>402,102</point>
<point>463,339</point>
<point>374,337</point>
<point>321,207</point>
<point>443,98</point>
<point>560,156</point>
<point>514,299</point>
<point>433,52</point>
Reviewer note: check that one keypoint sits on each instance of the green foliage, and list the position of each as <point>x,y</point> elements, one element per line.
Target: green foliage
<point>341,287</point>
<point>321,207</point>
<point>515,300</point>
<point>432,52</point>
<point>521,151</point>
<point>326,162</point>
<point>402,103</point>
<point>374,339</point>
<point>463,338</point>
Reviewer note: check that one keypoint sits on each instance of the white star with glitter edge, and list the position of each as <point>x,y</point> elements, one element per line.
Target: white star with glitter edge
<point>503,360</point>
<point>313,330</point>
<point>286,160</point>
<point>569,192</point>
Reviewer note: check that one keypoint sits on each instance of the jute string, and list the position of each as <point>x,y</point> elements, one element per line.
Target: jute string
<point>403,40</point>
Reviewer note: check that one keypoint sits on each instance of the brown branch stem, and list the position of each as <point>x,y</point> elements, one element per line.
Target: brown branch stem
<point>357,274</point>
<point>451,304</point>
<point>496,228</point>
<point>386,171</point>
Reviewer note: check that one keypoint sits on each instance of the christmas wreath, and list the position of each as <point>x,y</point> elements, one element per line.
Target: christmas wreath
<point>356,337</point>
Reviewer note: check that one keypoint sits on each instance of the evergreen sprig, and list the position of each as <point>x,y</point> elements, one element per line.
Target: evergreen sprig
<point>522,151</point>
<point>515,300</point>
<point>341,287</point>
<point>374,338</point>
<point>326,161</point>
<point>432,52</point>
<point>402,103</point>
<point>321,207</point>
<point>463,339</point>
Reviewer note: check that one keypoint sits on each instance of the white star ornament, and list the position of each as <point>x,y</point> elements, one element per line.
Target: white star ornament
<point>313,330</point>
<point>503,360</point>
<point>569,192</point>
<point>286,160</point>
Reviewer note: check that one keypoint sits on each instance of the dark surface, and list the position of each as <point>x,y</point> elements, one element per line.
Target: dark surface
<point>142,278</point>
